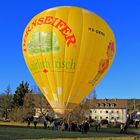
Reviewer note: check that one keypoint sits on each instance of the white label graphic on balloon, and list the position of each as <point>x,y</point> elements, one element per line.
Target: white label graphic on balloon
<point>55,97</point>
<point>59,90</point>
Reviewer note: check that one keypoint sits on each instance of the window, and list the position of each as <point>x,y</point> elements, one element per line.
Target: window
<point>97,105</point>
<point>100,111</point>
<point>102,105</point>
<point>95,117</point>
<point>100,117</point>
<point>113,105</point>
<point>112,111</point>
<point>106,111</point>
<point>112,118</point>
<point>117,111</point>
<point>106,117</point>
<point>118,118</point>
<point>107,105</point>
<point>95,111</point>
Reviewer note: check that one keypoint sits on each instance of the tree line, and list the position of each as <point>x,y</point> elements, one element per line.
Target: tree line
<point>23,104</point>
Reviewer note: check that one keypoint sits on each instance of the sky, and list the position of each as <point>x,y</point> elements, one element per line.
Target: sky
<point>123,16</point>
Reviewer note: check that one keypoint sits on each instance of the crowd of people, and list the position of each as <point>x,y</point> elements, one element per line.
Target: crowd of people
<point>82,127</point>
<point>63,126</point>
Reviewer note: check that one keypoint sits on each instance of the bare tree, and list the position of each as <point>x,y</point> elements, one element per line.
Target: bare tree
<point>42,103</point>
<point>80,113</point>
<point>29,105</point>
<point>6,102</point>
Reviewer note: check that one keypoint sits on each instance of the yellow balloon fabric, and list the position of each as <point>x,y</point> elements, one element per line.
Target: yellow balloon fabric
<point>68,50</point>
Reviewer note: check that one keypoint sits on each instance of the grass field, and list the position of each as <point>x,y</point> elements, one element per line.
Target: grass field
<point>22,132</point>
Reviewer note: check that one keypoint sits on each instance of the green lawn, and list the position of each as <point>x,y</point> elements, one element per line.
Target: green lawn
<point>23,132</point>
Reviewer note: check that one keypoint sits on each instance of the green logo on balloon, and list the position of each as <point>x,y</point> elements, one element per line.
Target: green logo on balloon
<point>43,42</point>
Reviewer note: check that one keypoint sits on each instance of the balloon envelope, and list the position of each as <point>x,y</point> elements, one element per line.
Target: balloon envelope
<point>68,50</point>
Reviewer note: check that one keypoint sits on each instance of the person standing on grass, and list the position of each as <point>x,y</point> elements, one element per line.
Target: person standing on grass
<point>99,125</point>
<point>45,124</point>
<point>122,128</point>
<point>136,124</point>
<point>28,122</point>
<point>82,127</point>
<point>96,126</point>
<point>86,127</point>
<point>125,128</point>
<point>35,123</point>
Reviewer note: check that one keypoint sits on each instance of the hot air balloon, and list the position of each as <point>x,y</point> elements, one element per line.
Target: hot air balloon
<point>67,50</point>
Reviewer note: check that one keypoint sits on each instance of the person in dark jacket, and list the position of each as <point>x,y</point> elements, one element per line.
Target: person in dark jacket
<point>125,128</point>
<point>86,127</point>
<point>122,128</point>
<point>35,123</point>
<point>28,122</point>
<point>45,124</point>
<point>96,126</point>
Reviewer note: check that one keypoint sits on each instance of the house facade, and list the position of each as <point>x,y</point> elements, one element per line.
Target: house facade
<point>112,110</point>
